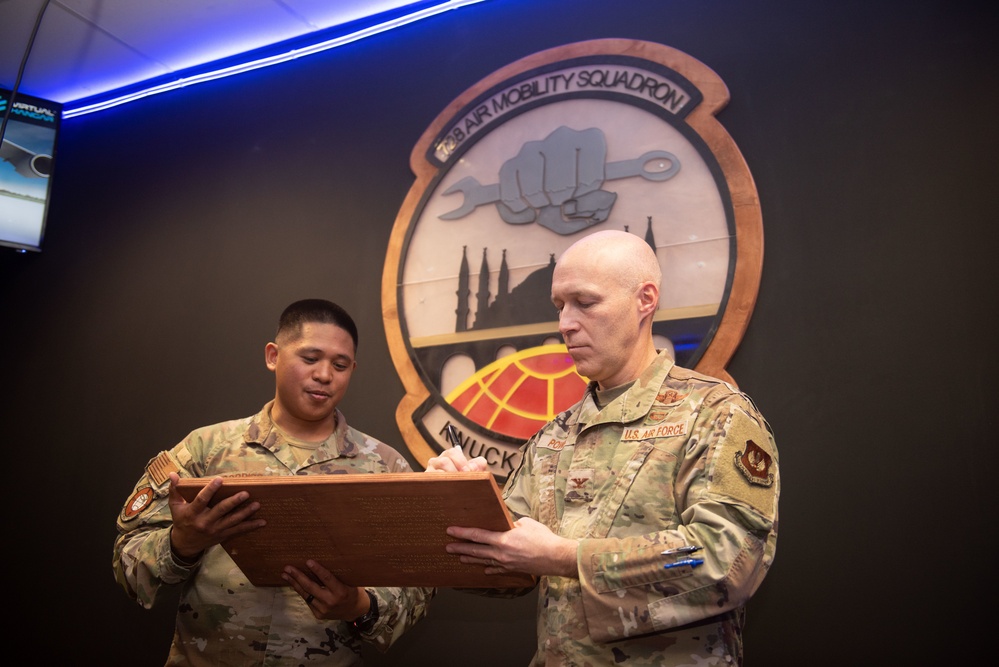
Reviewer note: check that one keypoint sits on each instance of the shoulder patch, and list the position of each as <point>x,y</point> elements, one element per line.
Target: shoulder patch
<point>139,501</point>
<point>159,469</point>
<point>755,464</point>
<point>746,468</point>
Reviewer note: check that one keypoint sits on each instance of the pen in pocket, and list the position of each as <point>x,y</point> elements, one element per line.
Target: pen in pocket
<point>692,562</point>
<point>681,550</point>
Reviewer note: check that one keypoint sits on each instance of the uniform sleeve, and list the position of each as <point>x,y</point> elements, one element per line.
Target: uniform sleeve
<point>725,485</point>
<point>143,561</point>
<point>519,488</point>
<point>398,610</point>
<point>390,458</point>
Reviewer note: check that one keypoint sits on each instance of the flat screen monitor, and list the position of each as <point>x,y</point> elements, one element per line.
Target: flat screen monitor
<point>27,155</point>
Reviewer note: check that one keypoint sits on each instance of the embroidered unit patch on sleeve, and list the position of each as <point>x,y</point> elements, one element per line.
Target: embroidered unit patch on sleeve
<point>746,466</point>
<point>139,501</point>
<point>755,464</point>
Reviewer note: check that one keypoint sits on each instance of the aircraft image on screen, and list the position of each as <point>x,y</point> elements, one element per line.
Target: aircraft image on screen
<point>25,162</point>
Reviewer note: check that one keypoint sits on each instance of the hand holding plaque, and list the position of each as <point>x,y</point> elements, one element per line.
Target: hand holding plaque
<point>369,530</point>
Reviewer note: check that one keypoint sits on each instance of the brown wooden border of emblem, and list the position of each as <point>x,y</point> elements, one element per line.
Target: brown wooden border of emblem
<point>744,198</point>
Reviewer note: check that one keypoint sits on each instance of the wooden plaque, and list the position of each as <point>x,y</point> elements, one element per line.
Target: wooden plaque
<point>369,530</point>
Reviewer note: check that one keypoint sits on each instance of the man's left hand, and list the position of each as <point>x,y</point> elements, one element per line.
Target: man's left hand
<point>327,597</point>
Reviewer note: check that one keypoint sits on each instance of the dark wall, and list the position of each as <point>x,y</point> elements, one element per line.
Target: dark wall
<point>181,225</point>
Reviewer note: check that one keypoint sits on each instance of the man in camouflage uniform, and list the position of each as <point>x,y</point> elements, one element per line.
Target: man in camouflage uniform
<point>648,509</point>
<point>164,541</point>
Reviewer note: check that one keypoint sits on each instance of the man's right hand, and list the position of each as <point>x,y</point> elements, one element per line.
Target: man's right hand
<point>453,460</point>
<point>197,526</point>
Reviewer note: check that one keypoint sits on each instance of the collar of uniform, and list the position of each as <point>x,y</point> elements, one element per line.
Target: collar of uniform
<point>633,404</point>
<point>340,444</point>
<point>262,431</point>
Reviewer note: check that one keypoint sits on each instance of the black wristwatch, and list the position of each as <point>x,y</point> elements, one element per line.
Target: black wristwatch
<point>367,621</point>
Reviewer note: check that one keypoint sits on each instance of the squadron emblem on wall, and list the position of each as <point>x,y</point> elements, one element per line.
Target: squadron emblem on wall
<point>608,134</point>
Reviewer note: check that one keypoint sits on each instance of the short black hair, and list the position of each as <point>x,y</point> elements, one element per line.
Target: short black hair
<point>318,311</point>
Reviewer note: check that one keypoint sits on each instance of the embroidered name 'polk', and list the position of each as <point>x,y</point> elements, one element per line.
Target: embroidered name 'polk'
<point>755,463</point>
<point>553,444</point>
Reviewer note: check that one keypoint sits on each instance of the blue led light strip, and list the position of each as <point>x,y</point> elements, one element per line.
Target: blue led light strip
<point>70,111</point>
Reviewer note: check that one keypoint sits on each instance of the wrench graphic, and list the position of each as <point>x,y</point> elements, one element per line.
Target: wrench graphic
<point>477,194</point>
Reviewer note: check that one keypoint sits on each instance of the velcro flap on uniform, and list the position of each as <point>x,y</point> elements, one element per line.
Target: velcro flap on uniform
<point>746,467</point>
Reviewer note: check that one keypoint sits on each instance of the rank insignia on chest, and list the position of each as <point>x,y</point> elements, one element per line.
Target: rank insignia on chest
<point>754,463</point>
<point>578,479</point>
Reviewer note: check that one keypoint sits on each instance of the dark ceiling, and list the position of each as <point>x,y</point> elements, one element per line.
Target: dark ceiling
<point>88,51</point>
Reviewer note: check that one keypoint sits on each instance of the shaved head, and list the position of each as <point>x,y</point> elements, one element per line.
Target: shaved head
<point>628,259</point>
<point>606,290</point>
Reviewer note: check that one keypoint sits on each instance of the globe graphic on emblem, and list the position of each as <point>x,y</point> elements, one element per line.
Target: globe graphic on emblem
<point>519,393</point>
